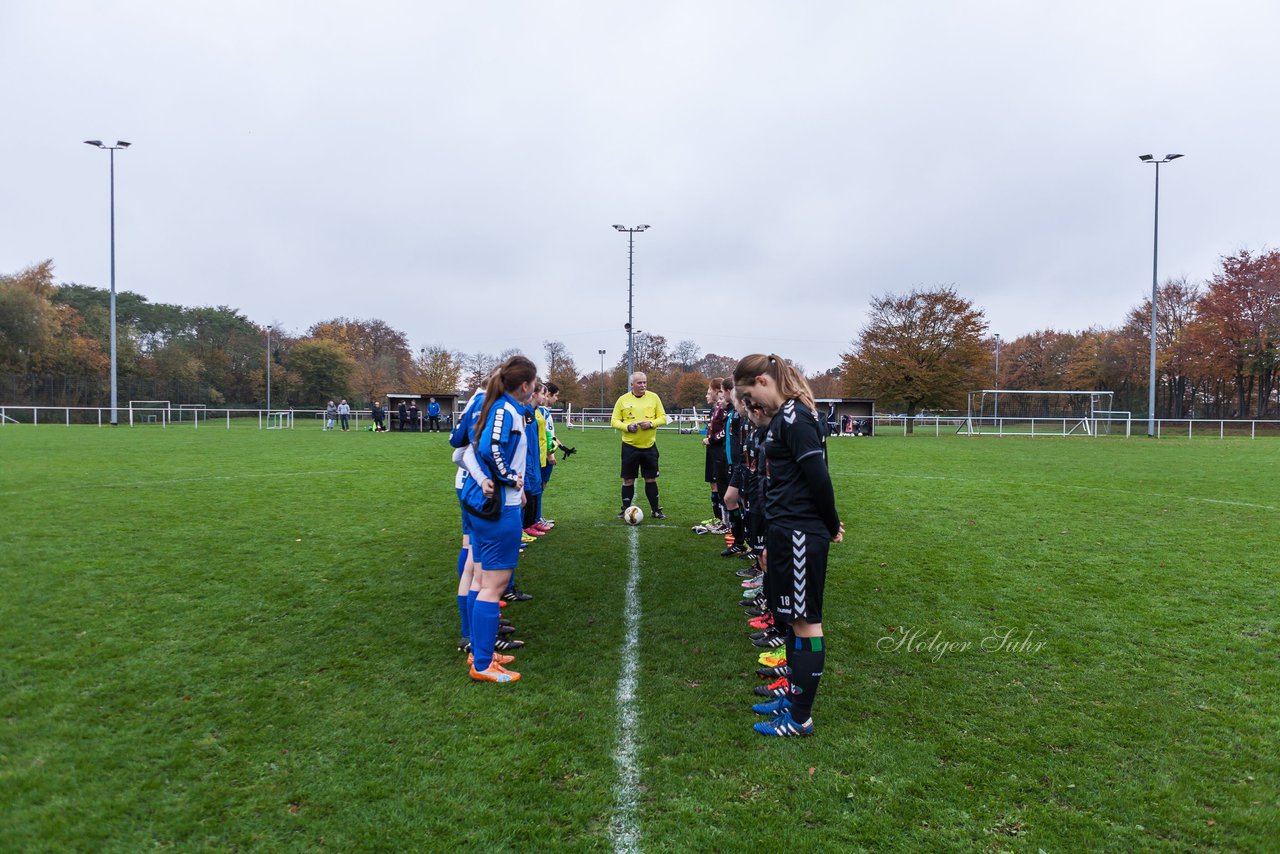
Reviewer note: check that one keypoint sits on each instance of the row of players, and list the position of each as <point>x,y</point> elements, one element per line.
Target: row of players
<point>505,446</point>
<point>771,492</point>
<point>772,498</point>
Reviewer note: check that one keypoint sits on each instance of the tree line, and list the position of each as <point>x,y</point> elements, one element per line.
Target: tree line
<point>1217,353</point>
<point>1216,349</point>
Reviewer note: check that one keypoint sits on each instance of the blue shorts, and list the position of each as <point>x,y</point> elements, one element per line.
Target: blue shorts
<point>466,517</point>
<point>496,544</point>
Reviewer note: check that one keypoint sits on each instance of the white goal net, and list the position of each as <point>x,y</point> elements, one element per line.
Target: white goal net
<point>1016,412</point>
<point>150,412</point>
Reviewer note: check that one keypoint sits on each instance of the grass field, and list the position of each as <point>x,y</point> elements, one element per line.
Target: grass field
<point>243,640</point>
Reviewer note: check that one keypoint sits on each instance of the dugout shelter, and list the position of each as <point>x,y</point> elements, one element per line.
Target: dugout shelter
<point>847,416</point>
<point>448,401</point>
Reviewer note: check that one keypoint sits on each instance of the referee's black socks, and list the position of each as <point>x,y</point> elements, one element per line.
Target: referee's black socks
<point>628,495</point>
<point>651,493</point>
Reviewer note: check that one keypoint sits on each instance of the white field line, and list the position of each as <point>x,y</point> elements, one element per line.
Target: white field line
<point>171,481</point>
<point>1193,498</point>
<point>625,828</point>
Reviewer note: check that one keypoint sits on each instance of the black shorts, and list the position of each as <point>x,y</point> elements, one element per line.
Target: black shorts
<point>797,574</point>
<point>757,529</point>
<point>720,470</point>
<point>714,452</point>
<point>642,461</point>
<point>738,478</point>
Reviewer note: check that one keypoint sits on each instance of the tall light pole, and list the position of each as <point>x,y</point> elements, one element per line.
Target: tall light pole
<point>997,413</point>
<point>115,415</point>
<point>268,370</point>
<point>602,379</point>
<point>631,253</point>
<point>1155,255</point>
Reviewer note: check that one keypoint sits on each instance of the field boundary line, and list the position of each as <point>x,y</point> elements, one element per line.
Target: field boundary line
<point>1078,487</point>
<point>171,481</point>
<point>624,827</point>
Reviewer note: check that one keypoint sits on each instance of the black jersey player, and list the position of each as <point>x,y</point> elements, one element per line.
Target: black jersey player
<point>800,511</point>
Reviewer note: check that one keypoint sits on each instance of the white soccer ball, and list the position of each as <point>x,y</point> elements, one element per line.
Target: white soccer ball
<point>633,515</point>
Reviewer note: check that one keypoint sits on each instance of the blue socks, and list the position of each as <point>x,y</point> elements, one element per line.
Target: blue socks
<point>484,631</point>
<point>464,612</point>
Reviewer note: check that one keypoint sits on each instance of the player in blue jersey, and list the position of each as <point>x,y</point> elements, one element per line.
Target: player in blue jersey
<point>800,510</point>
<point>497,456</point>
<point>468,577</point>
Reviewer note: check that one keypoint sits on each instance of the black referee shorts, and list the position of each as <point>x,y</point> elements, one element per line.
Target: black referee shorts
<point>642,461</point>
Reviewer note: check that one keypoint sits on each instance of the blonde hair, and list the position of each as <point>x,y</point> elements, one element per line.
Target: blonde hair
<point>791,383</point>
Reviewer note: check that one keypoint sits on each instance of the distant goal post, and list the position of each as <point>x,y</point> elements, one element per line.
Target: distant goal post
<point>1043,412</point>
<point>150,412</point>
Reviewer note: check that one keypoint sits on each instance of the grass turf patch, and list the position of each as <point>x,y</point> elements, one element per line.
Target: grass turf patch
<point>234,639</point>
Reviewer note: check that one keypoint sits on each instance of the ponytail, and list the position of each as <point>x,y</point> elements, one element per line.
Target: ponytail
<point>508,376</point>
<point>791,383</point>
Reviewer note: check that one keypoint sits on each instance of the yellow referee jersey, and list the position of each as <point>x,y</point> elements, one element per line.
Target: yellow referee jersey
<point>632,410</point>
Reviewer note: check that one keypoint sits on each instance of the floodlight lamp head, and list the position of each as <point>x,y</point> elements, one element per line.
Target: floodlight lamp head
<point>1145,158</point>
<point>120,143</point>
<point>1169,157</point>
<point>620,227</point>
<point>644,227</point>
<point>96,142</point>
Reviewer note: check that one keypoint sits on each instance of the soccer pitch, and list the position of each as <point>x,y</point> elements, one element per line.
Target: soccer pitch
<point>245,640</point>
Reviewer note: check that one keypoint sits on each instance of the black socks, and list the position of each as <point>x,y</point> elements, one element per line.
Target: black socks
<point>805,657</point>
<point>651,493</point>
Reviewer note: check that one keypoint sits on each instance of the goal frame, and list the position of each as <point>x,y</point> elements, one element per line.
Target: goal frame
<point>163,407</point>
<point>1080,420</point>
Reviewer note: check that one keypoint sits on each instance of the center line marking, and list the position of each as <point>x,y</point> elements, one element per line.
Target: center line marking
<point>625,828</point>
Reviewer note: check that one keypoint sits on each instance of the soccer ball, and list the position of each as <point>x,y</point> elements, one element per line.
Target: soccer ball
<point>633,515</point>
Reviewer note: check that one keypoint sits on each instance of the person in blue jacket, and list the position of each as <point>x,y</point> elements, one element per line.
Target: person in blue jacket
<point>433,415</point>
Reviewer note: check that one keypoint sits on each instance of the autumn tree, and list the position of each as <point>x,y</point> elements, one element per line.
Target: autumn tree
<point>1176,308</point>
<point>686,354</point>
<point>322,371</point>
<point>1038,360</point>
<point>437,370</point>
<point>1237,330</point>
<point>40,336</point>
<point>379,353</point>
<point>26,316</point>
<point>690,391</point>
<point>713,365</point>
<point>561,370</point>
<point>924,349</point>
<point>828,383</point>
<point>476,368</point>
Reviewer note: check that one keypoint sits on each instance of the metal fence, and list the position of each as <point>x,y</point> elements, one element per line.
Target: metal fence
<point>1185,428</point>
<point>688,421</point>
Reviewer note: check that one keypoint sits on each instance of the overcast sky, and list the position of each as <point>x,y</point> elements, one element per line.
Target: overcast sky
<point>454,168</point>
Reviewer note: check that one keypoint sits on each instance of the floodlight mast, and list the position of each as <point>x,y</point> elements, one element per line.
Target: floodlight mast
<point>268,371</point>
<point>1155,255</point>
<point>631,246</point>
<point>120,144</point>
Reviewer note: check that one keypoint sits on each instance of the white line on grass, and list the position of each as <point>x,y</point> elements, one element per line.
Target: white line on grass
<point>171,481</point>
<point>625,828</point>
<point>1117,490</point>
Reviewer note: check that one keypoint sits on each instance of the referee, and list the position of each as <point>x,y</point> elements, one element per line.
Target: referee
<point>639,414</point>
